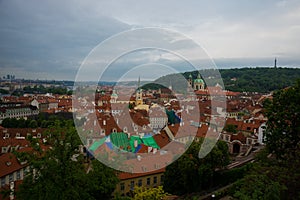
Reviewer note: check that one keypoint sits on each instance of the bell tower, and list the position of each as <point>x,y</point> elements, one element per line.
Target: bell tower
<point>139,94</point>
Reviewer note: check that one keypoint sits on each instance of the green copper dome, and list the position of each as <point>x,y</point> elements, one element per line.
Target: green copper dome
<point>198,79</point>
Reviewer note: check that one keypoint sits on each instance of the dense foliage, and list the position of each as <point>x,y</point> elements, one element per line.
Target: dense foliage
<point>259,79</point>
<point>192,174</point>
<point>245,79</point>
<point>149,193</point>
<point>61,173</point>
<point>40,89</point>
<point>42,120</point>
<point>276,175</point>
<point>283,126</point>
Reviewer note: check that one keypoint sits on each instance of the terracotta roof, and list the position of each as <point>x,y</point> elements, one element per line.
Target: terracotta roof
<point>161,139</point>
<point>239,136</point>
<point>9,164</point>
<point>22,131</point>
<point>126,175</point>
<point>13,142</point>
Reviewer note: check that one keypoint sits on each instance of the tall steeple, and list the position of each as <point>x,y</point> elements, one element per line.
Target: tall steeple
<point>275,63</point>
<point>139,82</point>
<point>139,94</point>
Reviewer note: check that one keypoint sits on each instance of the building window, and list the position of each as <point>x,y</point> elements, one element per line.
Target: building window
<point>11,178</point>
<point>4,150</point>
<point>162,178</point>
<point>131,185</point>
<point>140,183</point>
<point>18,175</point>
<point>2,182</point>
<point>154,179</point>
<point>122,186</point>
<point>148,181</point>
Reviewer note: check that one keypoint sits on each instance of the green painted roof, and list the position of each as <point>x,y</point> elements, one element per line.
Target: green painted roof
<point>97,144</point>
<point>198,80</point>
<point>149,141</point>
<point>120,140</point>
<point>132,139</point>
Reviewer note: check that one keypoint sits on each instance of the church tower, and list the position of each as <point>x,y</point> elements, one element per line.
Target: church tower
<point>198,83</point>
<point>190,80</point>
<point>139,94</point>
<point>275,63</point>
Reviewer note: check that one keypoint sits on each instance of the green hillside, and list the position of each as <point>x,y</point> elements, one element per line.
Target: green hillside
<point>244,79</point>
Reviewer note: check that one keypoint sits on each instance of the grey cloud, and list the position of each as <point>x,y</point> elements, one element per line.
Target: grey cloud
<point>50,37</point>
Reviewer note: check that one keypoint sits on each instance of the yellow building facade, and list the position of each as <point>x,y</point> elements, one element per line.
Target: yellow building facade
<point>130,180</point>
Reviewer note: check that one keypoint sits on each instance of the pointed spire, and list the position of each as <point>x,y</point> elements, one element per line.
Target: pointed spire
<point>275,63</point>
<point>139,82</point>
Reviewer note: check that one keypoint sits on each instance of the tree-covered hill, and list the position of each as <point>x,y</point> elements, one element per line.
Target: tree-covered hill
<point>247,79</point>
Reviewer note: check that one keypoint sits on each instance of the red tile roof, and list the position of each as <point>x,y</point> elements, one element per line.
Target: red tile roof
<point>9,164</point>
<point>126,175</point>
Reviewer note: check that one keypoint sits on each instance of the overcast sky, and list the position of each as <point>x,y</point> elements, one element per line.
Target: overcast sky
<point>50,39</point>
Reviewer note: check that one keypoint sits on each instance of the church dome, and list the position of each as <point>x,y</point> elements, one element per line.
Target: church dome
<point>198,80</point>
<point>114,95</point>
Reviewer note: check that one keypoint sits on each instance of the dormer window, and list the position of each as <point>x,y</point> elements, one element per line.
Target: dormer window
<point>38,135</point>
<point>4,149</point>
<point>18,135</point>
<point>7,135</point>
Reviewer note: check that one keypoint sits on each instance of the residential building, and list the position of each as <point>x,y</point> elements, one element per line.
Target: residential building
<point>130,180</point>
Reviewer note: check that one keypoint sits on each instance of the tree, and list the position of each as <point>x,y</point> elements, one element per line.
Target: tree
<point>6,123</point>
<point>149,193</point>
<point>102,180</point>
<point>21,123</point>
<point>190,173</point>
<point>60,172</point>
<point>277,177</point>
<point>33,124</point>
<point>230,128</point>
<point>257,186</point>
<point>283,126</point>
